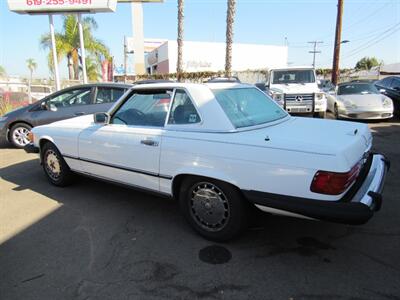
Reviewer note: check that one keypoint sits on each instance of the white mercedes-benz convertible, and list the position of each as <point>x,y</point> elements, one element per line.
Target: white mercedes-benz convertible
<point>219,148</point>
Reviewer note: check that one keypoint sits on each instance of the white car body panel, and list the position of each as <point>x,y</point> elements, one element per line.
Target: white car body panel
<point>280,157</point>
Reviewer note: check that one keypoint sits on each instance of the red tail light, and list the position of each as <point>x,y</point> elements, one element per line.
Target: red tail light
<point>332,183</point>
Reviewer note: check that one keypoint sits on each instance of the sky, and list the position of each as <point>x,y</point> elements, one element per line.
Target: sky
<point>371,27</point>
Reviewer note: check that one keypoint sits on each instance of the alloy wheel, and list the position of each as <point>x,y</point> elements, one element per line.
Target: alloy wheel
<point>209,206</point>
<point>20,136</point>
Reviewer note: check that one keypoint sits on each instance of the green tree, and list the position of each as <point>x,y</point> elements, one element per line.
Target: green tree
<point>92,69</point>
<point>366,63</point>
<point>32,66</point>
<point>179,64</point>
<point>2,71</point>
<point>67,44</point>
<point>230,18</point>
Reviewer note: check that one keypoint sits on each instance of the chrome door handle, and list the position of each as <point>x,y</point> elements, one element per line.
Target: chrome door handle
<point>149,143</point>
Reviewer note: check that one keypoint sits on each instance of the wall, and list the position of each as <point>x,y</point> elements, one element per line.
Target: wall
<point>205,56</point>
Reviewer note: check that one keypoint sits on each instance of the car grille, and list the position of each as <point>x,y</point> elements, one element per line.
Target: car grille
<point>299,102</point>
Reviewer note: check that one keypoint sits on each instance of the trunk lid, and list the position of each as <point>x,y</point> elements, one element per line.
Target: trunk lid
<point>347,141</point>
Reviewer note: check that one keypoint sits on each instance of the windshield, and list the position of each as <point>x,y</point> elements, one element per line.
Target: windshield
<point>248,106</point>
<point>293,76</point>
<point>359,88</point>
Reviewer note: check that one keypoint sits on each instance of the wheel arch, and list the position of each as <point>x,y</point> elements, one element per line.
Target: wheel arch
<point>179,178</point>
<point>42,141</point>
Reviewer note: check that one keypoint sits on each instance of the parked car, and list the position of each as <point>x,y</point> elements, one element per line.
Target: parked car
<point>390,87</point>
<point>325,85</point>
<point>38,92</point>
<point>67,103</point>
<point>218,149</point>
<point>296,90</point>
<point>359,100</point>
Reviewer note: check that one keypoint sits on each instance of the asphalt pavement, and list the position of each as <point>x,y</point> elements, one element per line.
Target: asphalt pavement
<point>95,240</point>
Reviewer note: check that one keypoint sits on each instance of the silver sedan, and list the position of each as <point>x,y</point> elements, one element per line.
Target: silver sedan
<point>359,100</point>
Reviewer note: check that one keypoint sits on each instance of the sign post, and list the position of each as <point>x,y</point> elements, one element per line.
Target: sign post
<point>54,50</point>
<point>35,7</point>
<point>83,54</point>
<point>138,35</point>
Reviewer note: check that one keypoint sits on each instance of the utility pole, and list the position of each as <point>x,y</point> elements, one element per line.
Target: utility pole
<point>315,50</point>
<point>338,38</point>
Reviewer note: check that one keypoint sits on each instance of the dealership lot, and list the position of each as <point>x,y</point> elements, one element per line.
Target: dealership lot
<point>95,240</point>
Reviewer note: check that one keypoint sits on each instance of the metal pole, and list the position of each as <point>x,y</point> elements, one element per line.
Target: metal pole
<point>125,59</point>
<point>315,50</point>
<point>83,55</point>
<point>54,49</point>
<point>138,37</point>
<point>336,53</point>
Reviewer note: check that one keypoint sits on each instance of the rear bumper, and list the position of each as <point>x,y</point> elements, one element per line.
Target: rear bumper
<point>356,207</point>
<point>31,148</point>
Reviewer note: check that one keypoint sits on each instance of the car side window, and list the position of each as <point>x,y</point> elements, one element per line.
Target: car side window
<point>108,94</point>
<point>386,82</point>
<point>144,108</point>
<point>395,83</point>
<point>73,97</point>
<point>183,111</point>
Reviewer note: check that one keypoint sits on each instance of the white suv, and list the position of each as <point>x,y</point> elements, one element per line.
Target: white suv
<point>296,90</point>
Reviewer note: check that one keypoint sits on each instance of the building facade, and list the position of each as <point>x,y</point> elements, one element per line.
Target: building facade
<point>206,56</point>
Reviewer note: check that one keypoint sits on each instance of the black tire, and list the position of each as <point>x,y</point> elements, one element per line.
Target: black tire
<point>336,112</point>
<point>320,114</point>
<point>227,206</point>
<point>55,168</point>
<point>18,135</point>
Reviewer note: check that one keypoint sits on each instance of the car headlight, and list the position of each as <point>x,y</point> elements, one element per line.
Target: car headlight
<point>349,104</point>
<point>386,102</point>
<point>277,97</point>
<point>319,96</point>
<point>3,118</point>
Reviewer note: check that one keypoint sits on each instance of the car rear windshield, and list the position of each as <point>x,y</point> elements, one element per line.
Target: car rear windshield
<point>359,88</point>
<point>248,106</point>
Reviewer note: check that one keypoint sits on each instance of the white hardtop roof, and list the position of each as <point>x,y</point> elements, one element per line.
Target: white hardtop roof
<point>213,118</point>
<point>292,68</point>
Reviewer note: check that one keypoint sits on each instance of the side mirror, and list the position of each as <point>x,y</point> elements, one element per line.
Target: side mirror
<point>43,105</point>
<point>101,118</point>
<point>382,91</point>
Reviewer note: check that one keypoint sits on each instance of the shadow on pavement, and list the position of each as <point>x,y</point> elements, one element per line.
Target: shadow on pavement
<point>109,242</point>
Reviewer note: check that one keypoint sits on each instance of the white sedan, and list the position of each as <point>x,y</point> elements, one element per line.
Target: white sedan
<point>219,148</point>
<point>359,100</point>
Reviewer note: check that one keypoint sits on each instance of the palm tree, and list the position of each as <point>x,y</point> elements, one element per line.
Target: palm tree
<point>230,18</point>
<point>179,68</point>
<point>2,71</point>
<point>32,66</point>
<point>67,44</point>
<point>92,69</point>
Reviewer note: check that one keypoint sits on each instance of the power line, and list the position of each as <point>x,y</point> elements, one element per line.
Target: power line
<point>315,50</point>
<point>372,43</point>
<point>359,21</point>
<point>376,37</point>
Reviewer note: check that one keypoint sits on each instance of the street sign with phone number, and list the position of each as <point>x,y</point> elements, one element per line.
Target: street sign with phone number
<point>61,6</point>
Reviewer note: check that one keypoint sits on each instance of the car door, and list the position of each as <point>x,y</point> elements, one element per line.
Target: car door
<point>64,105</point>
<point>127,150</point>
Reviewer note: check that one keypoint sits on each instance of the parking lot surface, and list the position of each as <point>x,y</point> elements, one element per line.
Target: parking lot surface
<point>95,240</point>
